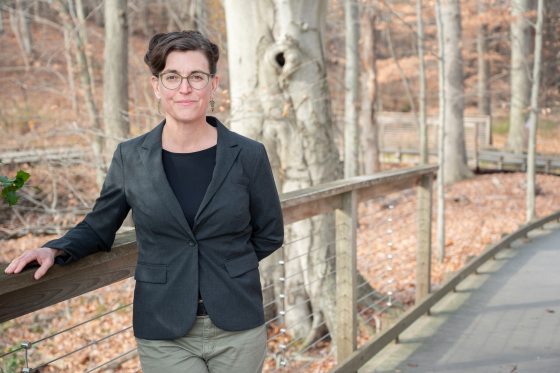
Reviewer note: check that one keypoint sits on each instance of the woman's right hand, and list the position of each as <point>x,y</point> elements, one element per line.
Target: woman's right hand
<point>43,255</point>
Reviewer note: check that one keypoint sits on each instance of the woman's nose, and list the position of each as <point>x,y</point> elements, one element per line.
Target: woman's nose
<point>184,86</point>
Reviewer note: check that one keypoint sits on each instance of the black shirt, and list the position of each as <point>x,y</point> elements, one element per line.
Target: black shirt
<point>189,175</point>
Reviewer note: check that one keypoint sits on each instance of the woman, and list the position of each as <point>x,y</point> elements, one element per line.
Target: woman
<point>206,211</point>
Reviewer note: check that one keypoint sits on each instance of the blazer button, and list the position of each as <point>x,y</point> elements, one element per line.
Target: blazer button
<point>191,244</point>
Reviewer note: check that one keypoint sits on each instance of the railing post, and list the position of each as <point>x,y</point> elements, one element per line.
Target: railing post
<point>346,292</point>
<point>424,238</point>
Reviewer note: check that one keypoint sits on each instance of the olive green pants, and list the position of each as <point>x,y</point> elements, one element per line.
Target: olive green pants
<point>206,349</point>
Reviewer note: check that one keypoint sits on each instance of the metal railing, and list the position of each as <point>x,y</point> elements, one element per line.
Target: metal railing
<point>366,292</point>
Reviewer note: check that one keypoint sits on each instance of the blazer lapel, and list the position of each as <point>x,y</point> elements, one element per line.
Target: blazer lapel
<point>150,153</point>
<point>226,152</point>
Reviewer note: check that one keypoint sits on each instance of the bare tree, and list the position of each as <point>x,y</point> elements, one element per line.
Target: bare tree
<point>20,28</point>
<point>423,129</point>
<point>1,22</point>
<point>455,152</point>
<point>115,76</point>
<point>519,75</point>
<point>483,83</point>
<point>534,114</point>
<point>368,127</point>
<point>67,14</point>
<point>441,137</point>
<point>279,95</point>
<point>352,86</point>
<point>67,30</point>
<point>22,9</point>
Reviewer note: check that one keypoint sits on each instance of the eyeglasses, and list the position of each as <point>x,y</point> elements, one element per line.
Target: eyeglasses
<point>197,80</point>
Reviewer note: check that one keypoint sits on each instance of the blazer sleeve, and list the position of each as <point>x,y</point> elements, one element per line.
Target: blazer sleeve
<point>96,232</point>
<point>266,211</point>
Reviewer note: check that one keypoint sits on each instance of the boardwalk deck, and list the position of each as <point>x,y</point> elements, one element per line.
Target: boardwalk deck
<point>504,319</point>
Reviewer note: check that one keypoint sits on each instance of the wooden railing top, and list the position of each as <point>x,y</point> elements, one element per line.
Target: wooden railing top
<point>21,293</point>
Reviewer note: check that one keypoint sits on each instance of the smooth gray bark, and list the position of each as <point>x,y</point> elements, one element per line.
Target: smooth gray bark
<point>483,63</point>
<point>115,76</point>
<point>352,86</point>
<point>534,115</point>
<point>519,75</point>
<point>423,129</point>
<point>441,138</point>
<point>369,130</point>
<point>279,95</point>
<point>455,151</point>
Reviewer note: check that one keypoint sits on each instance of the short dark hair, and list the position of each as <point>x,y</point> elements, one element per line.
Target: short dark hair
<point>162,44</point>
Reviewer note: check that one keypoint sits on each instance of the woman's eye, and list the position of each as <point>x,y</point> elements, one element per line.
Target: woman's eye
<point>171,78</point>
<point>197,77</point>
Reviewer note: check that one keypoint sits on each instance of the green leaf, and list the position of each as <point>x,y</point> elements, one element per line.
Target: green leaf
<point>11,196</point>
<point>5,180</point>
<point>21,178</point>
<point>10,186</point>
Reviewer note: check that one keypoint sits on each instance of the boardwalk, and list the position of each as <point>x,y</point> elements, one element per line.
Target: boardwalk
<point>505,319</point>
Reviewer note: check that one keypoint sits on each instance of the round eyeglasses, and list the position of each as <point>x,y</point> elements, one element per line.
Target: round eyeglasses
<point>197,80</point>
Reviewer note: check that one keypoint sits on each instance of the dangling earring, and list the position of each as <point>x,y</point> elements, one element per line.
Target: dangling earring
<point>212,103</point>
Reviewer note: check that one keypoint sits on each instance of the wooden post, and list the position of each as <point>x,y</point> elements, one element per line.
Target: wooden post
<point>424,238</point>
<point>346,318</point>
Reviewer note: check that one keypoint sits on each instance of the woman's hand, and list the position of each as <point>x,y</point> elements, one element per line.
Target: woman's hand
<point>43,255</point>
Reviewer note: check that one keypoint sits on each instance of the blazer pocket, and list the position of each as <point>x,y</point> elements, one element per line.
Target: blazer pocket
<point>242,264</point>
<point>153,273</point>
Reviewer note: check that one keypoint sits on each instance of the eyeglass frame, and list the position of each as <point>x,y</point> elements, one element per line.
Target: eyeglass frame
<point>210,76</point>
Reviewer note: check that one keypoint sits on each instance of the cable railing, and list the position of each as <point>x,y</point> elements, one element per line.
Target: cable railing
<point>335,253</point>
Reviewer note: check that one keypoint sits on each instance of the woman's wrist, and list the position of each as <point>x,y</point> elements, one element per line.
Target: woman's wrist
<point>56,252</point>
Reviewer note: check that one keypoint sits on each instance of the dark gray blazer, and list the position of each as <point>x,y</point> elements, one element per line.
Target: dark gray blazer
<point>238,223</point>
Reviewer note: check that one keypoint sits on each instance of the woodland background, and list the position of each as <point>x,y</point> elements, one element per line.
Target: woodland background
<point>54,94</point>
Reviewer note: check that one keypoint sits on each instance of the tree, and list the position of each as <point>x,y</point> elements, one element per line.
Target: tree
<point>441,138</point>
<point>519,75</point>
<point>352,86</point>
<point>368,127</point>
<point>424,155</point>
<point>115,76</point>
<point>279,95</point>
<point>69,18</point>
<point>483,64</point>
<point>534,114</point>
<point>455,153</point>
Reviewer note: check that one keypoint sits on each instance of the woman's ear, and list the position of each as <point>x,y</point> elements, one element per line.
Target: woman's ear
<point>215,82</point>
<point>155,86</point>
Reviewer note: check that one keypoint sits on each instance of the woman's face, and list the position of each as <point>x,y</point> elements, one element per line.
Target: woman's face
<point>185,104</point>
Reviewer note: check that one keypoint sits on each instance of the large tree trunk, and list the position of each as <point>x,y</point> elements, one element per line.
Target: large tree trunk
<point>352,86</point>
<point>455,152</point>
<point>369,130</point>
<point>534,115</point>
<point>115,76</point>
<point>280,96</point>
<point>483,83</point>
<point>519,75</point>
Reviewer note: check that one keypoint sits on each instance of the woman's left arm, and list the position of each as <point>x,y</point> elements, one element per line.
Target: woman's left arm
<point>266,211</point>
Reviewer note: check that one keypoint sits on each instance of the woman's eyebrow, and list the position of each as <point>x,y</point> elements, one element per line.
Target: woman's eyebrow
<point>177,72</point>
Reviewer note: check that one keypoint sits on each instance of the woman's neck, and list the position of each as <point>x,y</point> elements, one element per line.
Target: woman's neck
<point>188,137</point>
